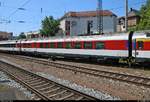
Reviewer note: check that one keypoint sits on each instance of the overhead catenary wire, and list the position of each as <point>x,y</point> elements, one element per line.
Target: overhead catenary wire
<point>46,12</point>
<point>19,7</point>
<point>14,12</point>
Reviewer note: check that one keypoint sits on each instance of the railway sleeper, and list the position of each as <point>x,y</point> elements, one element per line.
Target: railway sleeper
<point>148,83</point>
<point>65,97</point>
<point>140,81</point>
<point>61,95</point>
<point>39,86</point>
<point>26,77</point>
<point>33,84</point>
<point>33,80</point>
<point>53,90</point>
<point>79,98</point>
<point>132,79</point>
<point>62,92</point>
<point>46,88</point>
<point>30,79</point>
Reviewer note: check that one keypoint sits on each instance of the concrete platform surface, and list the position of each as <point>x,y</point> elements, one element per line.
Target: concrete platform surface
<point>8,93</point>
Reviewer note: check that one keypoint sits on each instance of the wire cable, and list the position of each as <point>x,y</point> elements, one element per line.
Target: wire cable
<point>14,12</point>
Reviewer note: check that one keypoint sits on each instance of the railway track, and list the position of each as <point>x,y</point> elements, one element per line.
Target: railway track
<point>43,88</point>
<point>132,79</point>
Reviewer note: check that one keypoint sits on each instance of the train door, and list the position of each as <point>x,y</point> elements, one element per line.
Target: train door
<point>139,49</point>
<point>20,46</point>
<point>134,49</point>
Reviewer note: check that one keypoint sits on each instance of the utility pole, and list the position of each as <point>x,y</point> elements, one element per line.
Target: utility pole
<point>99,17</point>
<point>126,18</point>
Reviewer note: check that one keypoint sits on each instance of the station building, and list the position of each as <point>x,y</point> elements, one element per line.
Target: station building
<point>133,20</point>
<point>77,23</point>
<point>6,35</point>
<point>33,34</point>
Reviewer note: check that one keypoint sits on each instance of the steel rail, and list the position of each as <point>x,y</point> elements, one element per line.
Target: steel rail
<point>137,80</point>
<point>18,74</point>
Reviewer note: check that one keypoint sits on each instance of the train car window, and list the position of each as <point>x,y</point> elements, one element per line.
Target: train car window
<point>68,45</point>
<point>29,45</point>
<point>25,45</point>
<point>52,45</point>
<point>41,45</point>
<point>46,45</point>
<point>77,45</point>
<point>140,45</point>
<point>100,45</point>
<point>4,45</point>
<point>35,46</point>
<point>148,34</point>
<point>8,45</point>
<point>59,45</point>
<point>88,45</point>
<point>11,45</point>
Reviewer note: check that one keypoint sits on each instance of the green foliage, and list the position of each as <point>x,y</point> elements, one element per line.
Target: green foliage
<point>22,36</point>
<point>50,26</point>
<point>134,28</point>
<point>145,17</point>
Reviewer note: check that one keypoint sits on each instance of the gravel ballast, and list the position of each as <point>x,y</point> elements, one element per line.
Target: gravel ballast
<point>83,89</point>
<point>5,80</point>
<point>119,89</point>
<point>80,88</point>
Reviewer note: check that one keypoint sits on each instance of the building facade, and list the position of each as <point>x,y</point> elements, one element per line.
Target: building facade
<point>133,20</point>
<point>6,35</point>
<point>81,23</point>
<point>33,34</point>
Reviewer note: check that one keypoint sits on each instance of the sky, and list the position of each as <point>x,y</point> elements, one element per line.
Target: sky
<point>32,14</point>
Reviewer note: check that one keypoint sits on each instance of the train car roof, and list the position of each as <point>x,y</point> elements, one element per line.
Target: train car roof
<point>122,36</point>
<point>8,42</point>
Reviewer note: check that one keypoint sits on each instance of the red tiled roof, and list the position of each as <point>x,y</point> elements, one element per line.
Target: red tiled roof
<point>89,13</point>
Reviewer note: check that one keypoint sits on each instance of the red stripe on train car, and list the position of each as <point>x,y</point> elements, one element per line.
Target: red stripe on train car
<point>147,45</point>
<point>116,45</point>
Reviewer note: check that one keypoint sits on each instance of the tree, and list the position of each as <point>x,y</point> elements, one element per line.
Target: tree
<point>144,23</point>
<point>50,26</point>
<point>21,36</point>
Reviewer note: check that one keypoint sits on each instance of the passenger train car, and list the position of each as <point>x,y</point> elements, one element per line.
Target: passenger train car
<point>133,47</point>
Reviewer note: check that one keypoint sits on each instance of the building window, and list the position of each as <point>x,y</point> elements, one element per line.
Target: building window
<point>89,26</point>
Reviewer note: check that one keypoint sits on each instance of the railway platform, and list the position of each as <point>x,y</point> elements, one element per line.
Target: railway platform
<point>8,93</point>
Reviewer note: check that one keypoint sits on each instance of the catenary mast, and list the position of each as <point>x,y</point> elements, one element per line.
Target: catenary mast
<point>126,17</point>
<point>99,17</point>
